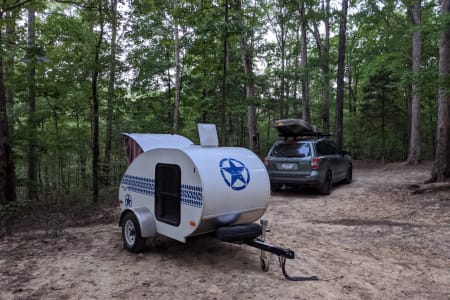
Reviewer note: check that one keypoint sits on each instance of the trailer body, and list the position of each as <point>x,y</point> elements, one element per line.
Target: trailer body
<point>178,189</point>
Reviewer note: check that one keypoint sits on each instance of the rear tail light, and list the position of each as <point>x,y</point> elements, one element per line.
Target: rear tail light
<point>315,162</point>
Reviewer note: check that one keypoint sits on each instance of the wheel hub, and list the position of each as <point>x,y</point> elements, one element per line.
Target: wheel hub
<point>130,232</point>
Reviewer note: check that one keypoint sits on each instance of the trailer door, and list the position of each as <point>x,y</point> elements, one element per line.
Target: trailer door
<point>168,193</point>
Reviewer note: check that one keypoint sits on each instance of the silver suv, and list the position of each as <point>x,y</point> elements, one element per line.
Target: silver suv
<point>314,162</point>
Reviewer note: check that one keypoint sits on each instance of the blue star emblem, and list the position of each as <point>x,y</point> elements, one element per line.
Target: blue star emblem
<point>234,173</point>
<point>128,201</point>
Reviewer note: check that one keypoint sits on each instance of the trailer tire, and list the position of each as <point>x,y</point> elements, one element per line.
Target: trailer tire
<point>238,233</point>
<point>131,234</point>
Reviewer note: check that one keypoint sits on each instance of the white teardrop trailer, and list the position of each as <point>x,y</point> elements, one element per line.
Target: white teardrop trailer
<point>177,189</point>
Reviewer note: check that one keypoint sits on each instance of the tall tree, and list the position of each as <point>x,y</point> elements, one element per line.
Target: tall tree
<point>7,182</point>
<point>279,16</point>
<point>7,174</point>
<point>96,69</point>
<point>10,54</point>
<point>111,91</point>
<point>414,142</point>
<point>339,119</point>
<point>441,167</point>
<point>32,185</point>
<point>323,47</point>
<point>224,75</point>
<point>247,61</point>
<point>306,114</point>
<point>176,110</point>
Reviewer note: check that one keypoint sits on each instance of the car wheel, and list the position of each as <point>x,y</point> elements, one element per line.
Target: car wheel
<point>349,175</point>
<point>131,234</point>
<point>326,186</point>
<point>275,187</point>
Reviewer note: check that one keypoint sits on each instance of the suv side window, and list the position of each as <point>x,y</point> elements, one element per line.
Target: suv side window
<point>321,148</point>
<point>326,147</point>
<point>332,148</point>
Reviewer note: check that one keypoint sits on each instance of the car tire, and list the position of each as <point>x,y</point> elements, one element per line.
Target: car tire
<point>349,176</point>
<point>131,234</point>
<point>326,186</point>
<point>275,187</point>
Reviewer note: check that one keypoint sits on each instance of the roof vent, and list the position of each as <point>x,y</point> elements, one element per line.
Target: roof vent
<point>208,135</point>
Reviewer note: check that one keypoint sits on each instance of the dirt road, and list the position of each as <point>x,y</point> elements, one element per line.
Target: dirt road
<point>371,239</point>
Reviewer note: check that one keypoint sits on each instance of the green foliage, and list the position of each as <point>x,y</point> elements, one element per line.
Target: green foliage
<point>378,56</point>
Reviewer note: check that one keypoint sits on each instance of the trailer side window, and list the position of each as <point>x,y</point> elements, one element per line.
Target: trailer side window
<point>168,193</point>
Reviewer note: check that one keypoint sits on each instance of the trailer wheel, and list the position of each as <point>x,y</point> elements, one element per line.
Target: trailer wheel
<point>264,264</point>
<point>131,234</point>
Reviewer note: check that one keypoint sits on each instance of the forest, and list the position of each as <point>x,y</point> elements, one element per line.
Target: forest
<point>75,74</point>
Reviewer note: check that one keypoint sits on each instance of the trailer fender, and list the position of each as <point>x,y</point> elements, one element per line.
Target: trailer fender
<point>145,219</point>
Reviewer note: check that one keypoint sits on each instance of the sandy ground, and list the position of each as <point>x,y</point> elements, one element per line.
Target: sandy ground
<point>371,239</point>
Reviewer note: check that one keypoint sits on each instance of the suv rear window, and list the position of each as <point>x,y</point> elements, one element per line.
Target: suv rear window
<point>291,150</point>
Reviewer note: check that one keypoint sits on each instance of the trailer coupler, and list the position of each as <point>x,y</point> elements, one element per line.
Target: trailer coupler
<point>282,254</point>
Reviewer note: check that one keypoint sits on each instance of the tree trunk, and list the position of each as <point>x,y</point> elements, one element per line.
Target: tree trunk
<point>339,119</point>
<point>351,97</point>
<point>326,72</point>
<point>82,172</point>
<point>383,127</point>
<point>9,65</point>
<point>351,93</point>
<point>7,177</point>
<point>61,180</point>
<point>296,76</point>
<point>281,36</point>
<point>324,56</point>
<point>95,113</point>
<point>32,186</point>
<point>169,81</point>
<point>176,110</point>
<point>247,61</point>
<point>224,77</point>
<point>441,168</point>
<point>111,95</point>
<point>306,115</point>
<point>414,142</point>
<point>282,44</point>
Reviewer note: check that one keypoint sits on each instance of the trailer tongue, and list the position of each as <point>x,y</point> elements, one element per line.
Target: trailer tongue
<point>245,234</point>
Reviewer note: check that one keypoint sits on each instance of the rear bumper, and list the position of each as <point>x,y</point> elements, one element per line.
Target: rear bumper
<point>314,179</point>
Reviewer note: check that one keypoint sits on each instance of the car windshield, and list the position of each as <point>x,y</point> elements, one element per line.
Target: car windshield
<point>291,150</point>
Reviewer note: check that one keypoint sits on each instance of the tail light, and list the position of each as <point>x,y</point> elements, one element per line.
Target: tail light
<point>315,162</point>
<point>266,161</point>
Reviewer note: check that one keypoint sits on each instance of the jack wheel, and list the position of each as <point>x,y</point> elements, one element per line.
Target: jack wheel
<point>264,263</point>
